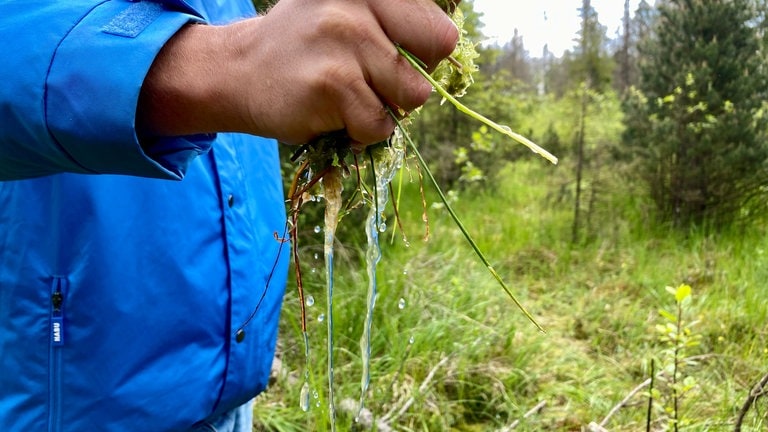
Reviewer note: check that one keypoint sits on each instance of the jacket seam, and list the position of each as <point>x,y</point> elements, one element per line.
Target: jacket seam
<point>228,264</point>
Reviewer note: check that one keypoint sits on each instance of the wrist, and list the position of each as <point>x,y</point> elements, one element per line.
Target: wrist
<point>181,94</point>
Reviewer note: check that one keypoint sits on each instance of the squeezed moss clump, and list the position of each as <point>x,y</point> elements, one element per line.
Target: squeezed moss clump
<point>453,75</point>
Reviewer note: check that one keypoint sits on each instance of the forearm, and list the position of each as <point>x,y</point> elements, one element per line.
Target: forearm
<point>182,93</point>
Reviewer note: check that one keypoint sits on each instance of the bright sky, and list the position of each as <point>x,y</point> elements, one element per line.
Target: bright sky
<point>553,22</point>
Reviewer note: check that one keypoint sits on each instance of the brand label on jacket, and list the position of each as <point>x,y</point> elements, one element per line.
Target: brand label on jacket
<point>57,331</point>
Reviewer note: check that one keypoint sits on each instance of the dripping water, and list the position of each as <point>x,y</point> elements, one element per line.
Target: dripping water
<point>384,167</point>
<point>304,396</point>
<point>332,187</point>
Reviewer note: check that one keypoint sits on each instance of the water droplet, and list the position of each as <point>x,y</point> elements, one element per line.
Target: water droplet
<point>411,340</point>
<point>382,227</point>
<point>318,229</point>
<point>321,318</point>
<point>401,304</point>
<point>304,397</point>
<point>310,301</point>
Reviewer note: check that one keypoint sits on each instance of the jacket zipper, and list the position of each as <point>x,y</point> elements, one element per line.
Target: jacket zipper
<point>56,337</point>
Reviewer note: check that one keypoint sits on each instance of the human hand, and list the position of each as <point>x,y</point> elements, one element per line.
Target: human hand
<point>305,68</point>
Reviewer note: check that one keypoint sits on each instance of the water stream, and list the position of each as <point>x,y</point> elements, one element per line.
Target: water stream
<point>304,397</point>
<point>332,188</point>
<point>385,163</point>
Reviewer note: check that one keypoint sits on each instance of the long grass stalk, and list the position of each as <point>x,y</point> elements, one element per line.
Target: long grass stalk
<point>461,226</point>
<point>505,130</point>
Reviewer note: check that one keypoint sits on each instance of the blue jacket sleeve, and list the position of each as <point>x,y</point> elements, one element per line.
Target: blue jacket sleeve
<point>71,75</point>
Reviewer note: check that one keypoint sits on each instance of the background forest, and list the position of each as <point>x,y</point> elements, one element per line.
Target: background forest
<point>642,254</point>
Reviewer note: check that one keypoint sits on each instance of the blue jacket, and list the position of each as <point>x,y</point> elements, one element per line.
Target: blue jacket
<point>121,285</point>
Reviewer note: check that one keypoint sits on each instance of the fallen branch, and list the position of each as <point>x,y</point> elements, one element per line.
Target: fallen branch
<point>422,388</point>
<point>594,427</point>
<point>758,390</point>
<point>621,404</point>
<point>539,406</point>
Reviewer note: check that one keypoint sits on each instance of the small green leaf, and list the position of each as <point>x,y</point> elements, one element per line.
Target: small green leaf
<point>682,292</point>
<point>668,315</point>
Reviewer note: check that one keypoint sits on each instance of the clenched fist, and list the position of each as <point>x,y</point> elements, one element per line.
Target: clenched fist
<point>305,68</point>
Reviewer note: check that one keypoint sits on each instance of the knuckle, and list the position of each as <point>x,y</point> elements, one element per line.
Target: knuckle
<point>341,24</point>
<point>329,19</point>
<point>334,81</point>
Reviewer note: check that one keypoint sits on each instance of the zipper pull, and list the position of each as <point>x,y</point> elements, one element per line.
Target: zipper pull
<point>57,314</point>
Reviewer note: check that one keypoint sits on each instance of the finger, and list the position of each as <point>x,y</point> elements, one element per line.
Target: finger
<point>403,88</point>
<point>365,117</point>
<point>390,75</point>
<point>370,127</point>
<point>420,26</point>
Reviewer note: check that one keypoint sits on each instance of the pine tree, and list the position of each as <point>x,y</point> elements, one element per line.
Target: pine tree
<point>588,61</point>
<point>696,121</point>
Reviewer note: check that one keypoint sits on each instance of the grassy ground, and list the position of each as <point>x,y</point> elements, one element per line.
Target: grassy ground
<point>451,352</point>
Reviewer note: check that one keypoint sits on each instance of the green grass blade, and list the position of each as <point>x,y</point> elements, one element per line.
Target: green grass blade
<point>463,229</point>
<point>505,130</point>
